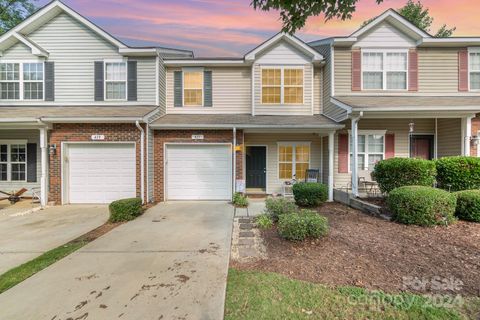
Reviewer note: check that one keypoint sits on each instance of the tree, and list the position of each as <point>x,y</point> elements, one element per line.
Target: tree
<point>12,12</point>
<point>294,13</point>
<point>420,17</point>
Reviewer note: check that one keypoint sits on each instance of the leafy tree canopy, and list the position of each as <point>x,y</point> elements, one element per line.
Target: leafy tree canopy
<point>12,12</point>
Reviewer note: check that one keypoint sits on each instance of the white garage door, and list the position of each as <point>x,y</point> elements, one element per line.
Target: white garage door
<point>100,173</point>
<point>199,172</point>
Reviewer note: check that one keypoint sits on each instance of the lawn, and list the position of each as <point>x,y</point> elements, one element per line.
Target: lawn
<point>261,295</point>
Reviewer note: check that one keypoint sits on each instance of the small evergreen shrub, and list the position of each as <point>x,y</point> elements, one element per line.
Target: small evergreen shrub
<point>423,206</point>
<point>275,207</point>
<point>302,225</point>
<point>468,205</point>
<point>398,172</point>
<point>310,194</point>
<point>458,173</point>
<point>264,221</point>
<point>125,209</point>
<point>239,200</point>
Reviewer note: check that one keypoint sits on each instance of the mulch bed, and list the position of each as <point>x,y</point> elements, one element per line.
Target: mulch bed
<point>365,251</point>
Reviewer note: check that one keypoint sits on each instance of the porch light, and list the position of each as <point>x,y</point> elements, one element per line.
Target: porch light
<point>52,149</point>
<point>475,140</point>
<point>411,127</point>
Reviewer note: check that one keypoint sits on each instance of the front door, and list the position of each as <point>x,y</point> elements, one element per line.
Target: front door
<point>256,167</point>
<point>421,146</point>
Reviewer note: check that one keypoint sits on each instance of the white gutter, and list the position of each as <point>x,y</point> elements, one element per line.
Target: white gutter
<point>142,163</point>
<point>234,157</point>
<point>11,120</point>
<point>246,126</point>
<point>92,119</point>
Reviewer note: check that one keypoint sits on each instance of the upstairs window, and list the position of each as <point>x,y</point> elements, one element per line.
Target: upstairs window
<point>21,81</point>
<point>474,70</point>
<point>115,80</point>
<point>193,88</point>
<point>384,70</point>
<point>282,85</point>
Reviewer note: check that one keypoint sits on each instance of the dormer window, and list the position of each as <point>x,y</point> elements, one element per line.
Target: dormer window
<point>474,70</point>
<point>21,81</point>
<point>384,70</point>
<point>282,85</point>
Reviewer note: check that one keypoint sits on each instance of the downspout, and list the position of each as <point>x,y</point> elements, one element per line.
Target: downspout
<point>142,163</point>
<point>148,162</point>
<point>234,157</point>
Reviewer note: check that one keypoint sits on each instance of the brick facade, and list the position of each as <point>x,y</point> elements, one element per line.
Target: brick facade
<point>185,136</point>
<point>78,132</point>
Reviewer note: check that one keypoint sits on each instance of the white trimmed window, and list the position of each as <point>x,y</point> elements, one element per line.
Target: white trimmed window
<point>371,149</point>
<point>474,70</point>
<point>115,80</point>
<point>384,70</point>
<point>193,87</point>
<point>293,160</point>
<point>13,161</point>
<point>282,85</point>
<point>21,81</point>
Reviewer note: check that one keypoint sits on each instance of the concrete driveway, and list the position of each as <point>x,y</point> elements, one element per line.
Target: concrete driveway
<point>171,263</point>
<point>23,238</point>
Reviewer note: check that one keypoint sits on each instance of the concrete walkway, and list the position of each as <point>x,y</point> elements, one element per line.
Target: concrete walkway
<point>171,263</point>
<point>25,237</point>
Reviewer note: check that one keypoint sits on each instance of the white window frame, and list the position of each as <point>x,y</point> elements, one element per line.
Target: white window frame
<point>293,144</point>
<point>282,85</point>
<point>21,80</point>
<point>365,133</point>
<point>193,69</point>
<point>384,68</point>
<point>105,62</point>
<point>9,162</point>
<point>470,51</point>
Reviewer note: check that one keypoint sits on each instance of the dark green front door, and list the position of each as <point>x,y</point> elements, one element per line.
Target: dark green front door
<point>256,167</point>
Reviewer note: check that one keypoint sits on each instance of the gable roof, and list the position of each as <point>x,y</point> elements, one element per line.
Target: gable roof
<point>52,9</point>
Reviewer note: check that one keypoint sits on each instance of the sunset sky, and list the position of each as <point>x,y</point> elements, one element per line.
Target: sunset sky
<point>232,27</point>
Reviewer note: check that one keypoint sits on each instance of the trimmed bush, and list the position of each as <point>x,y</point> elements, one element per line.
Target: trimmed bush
<point>310,194</point>
<point>398,172</point>
<point>125,209</point>
<point>239,200</point>
<point>468,205</point>
<point>302,225</point>
<point>458,173</point>
<point>264,221</point>
<point>423,206</point>
<point>275,207</point>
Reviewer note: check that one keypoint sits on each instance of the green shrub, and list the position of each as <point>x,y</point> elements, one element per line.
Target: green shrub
<point>125,209</point>
<point>302,225</point>
<point>239,200</point>
<point>468,205</point>
<point>398,172</point>
<point>264,221</point>
<point>458,173</point>
<point>424,206</point>
<point>310,194</point>
<point>275,207</point>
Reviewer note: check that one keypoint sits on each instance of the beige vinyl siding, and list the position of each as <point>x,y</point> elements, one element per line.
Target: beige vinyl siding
<point>317,91</point>
<point>231,91</point>
<point>438,70</point>
<point>284,109</point>
<point>274,184</point>
<point>399,127</point>
<point>283,53</point>
<point>146,83</point>
<point>449,137</point>
<point>19,51</point>
<point>343,71</point>
<point>32,136</point>
<point>385,35</point>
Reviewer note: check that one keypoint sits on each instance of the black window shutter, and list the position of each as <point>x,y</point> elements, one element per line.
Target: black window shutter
<point>99,79</point>
<point>49,81</point>
<point>178,89</point>
<point>31,162</point>
<point>132,80</point>
<point>207,88</point>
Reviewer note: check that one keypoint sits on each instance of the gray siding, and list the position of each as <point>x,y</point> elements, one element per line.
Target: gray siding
<point>32,136</point>
<point>18,51</point>
<point>162,87</point>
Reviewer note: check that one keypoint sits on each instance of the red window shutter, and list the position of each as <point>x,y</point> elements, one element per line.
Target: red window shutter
<point>413,70</point>
<point>356,70</point>
<point>463,70</point>
<point>343,153</point>
<point>389,146</point>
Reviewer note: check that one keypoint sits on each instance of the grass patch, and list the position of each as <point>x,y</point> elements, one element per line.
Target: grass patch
<point>259,295</point>
<point>18,274</point>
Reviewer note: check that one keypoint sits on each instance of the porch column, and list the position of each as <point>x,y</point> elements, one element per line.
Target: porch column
<point>331,155</point>
<point>466,133</point>
<point>354,140</point>
<point>44,164</point>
